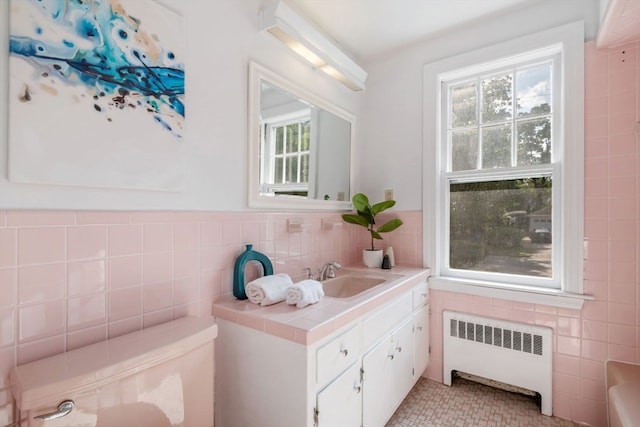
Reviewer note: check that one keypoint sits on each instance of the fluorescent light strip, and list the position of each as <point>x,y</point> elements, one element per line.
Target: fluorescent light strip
<point>293,30</point>
<point>328,69</point>
<point>297,47</point>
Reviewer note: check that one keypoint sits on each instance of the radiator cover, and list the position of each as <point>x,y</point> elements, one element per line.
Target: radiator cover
<point>509,352</point>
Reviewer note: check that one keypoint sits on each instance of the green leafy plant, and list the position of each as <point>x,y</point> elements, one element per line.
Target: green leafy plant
<point>366,214</point>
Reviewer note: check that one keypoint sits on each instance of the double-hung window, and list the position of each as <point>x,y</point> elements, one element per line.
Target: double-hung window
<point>499,173</point>
<point>507,156</point>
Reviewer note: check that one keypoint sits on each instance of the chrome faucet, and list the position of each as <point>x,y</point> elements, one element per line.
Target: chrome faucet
<point>328,271</point>
<point>309,272</point>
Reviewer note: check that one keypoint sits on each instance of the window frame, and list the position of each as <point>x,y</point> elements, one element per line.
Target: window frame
<point>512,64</point>
<point>568,185</point>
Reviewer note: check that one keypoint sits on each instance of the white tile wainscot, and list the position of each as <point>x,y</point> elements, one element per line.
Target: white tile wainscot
<point>343,361</point>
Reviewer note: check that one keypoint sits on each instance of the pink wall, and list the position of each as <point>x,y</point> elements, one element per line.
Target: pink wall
<point>71,278</point>
<point>609,326</point>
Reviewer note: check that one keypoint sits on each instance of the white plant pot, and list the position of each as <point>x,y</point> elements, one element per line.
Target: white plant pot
<point>372,258</point>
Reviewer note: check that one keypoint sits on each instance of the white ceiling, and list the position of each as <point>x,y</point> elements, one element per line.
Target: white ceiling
<point>366,29</point>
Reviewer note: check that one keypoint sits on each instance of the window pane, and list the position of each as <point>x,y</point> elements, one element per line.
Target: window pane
<point>279,140</point>
<point>534,141</point>
<point>497,99</point>
<point>533,90</point>
<point>464,150</point>
<point>277,170</point>
<point>304,168</point>
<point>463,105</point>
<point>292,169</point>
<point>502,226</point>
<point>306,136</point>
<point>496,146</point>
<point>292,138</point>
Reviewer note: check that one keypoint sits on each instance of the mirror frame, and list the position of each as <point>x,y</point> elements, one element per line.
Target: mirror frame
<point>257,74</point>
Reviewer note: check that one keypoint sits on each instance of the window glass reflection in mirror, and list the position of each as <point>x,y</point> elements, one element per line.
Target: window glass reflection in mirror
<point>285,141</point>
<point>304,150</point>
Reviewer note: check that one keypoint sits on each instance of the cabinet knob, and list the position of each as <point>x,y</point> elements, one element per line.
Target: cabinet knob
<point>419,328</point>
<point>399,349</point>
<point>344,352</point>
<point>357,388</point>
<point>390,356</point>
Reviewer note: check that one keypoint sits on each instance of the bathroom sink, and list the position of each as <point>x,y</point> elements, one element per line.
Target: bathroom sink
<point>350,285</point>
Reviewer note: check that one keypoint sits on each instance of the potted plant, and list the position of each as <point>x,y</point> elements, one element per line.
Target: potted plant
<point>365,216</point>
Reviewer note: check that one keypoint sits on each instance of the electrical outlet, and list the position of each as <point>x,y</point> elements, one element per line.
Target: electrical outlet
<point>388,194</point>
<point>340,196</point>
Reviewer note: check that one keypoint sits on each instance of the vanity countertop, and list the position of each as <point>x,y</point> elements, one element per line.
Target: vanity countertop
<point>312,323</point>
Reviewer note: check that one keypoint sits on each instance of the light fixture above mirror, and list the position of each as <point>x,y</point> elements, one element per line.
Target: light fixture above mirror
<point>300,147</point>
<point>292,29</point>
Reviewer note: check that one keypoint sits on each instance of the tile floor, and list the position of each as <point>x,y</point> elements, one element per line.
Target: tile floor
<point>469,404</point>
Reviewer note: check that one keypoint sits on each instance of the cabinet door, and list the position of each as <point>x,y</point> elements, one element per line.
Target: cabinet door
<point>421,340</point>
<point>340,403</point>
<point>403,353</point>
<point>377,366</point>
<point>388,375</point>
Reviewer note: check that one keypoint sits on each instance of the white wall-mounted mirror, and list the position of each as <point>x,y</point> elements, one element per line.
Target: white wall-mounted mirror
<point>300,146</point>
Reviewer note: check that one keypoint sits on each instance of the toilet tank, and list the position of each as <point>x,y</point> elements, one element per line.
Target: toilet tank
<point>161,376</point>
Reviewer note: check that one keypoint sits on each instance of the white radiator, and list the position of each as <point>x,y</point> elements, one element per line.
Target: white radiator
<point>512,353</point>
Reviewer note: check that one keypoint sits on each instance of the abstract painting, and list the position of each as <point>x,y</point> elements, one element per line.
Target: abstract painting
<point>97,93</point>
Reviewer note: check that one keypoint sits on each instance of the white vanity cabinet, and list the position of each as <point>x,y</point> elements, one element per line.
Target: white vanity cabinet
<point>355,376</point>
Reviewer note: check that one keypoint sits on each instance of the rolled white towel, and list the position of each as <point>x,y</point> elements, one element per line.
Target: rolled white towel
<point>304,293</point>
<point>268,290</point>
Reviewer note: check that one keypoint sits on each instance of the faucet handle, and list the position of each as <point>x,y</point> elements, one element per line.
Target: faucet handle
<point>309,272</point>
<point>331,269</point>
<point>331,272</point>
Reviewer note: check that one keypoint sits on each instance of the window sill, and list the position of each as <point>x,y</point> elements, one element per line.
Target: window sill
<point>519,293</point>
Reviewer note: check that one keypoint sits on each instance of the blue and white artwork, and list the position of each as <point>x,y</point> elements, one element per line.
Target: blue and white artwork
<point>97,93</point>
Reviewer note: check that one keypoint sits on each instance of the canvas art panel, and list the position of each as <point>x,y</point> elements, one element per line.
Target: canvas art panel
<point>96,94</point>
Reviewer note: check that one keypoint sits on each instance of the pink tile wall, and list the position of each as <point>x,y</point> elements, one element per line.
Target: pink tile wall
<point>72,278</point>
<point>609,326</point>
